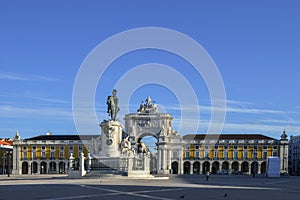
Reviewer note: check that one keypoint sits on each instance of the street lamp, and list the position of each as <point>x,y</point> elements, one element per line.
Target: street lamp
<point>8,154</point>
<point>3,162</point>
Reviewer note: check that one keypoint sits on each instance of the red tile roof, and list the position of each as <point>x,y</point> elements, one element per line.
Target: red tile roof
<point>8,143</point>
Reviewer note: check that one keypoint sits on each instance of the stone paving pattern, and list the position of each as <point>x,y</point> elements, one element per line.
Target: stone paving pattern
<point>177,187</point>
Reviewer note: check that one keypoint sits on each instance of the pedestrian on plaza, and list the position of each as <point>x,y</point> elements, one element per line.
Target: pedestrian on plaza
<point>207,175</point>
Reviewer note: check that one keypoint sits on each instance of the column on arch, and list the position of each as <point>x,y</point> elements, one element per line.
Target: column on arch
<point>229,167</point>
<point>181,166</point>
<point>39,167</point>
<point>159,164</point>
<point>30,167</point>
<point>258,171</point>
<point>66,167</point>
<point>240,166</point>
<point>169,160</point>
<point>200,170</point>
<point>163,159</point>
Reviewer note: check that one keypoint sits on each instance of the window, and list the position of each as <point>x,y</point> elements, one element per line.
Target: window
<point>215,154</point>
<point>24,148</point>
<point>275,153</point>
<point>216,147</point>
<point>197,154</point>
<point>43,154</point>
<point>187,154</point>
<point>71,147</point>
<point>245,147</point>
<point>225,147</point>
<point>235,147</point>
<point>206,154</point>
<point>235,154</point>
<point>34,147</point>
<point>265,147</point>
<point>52,147</point>
<point>265,154</point>
<point>197,147</point>
<point>274,147</point>
<point>255,154</point>
<point>52,154</point>
<point>225,154</point>
<point>245,154</point>
<point>255,147</point>
<point>61,148</point>
<point>25,155</point>
<point>43,147</point>
<point>206,147</point>
<point>175,154</point>
<point>61,154</point>
<point>34,155</point>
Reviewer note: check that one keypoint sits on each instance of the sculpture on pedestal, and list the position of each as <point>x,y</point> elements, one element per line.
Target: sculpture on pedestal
<point>111,130</point>
<point>126,146</point>
<point>112,105</point>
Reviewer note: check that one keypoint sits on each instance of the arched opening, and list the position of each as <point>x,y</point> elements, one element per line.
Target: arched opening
<point>225,167</point>
<point>174,167</point>
<point>254,167</point>
<point>76,164</point>
<point>235,167</point>
<point>215,167</point>
<point>25,168</point>
<point>150,141</point>
<point>205,167</point>
<point>263,168</point>
<point>61,167</point>
<point>34,167</point>
<point>147,143</point>
<point>245,167</point>
<point>186,167</point>
<point>52,167</point>
<point>196,167</point>
<point>43,169</point>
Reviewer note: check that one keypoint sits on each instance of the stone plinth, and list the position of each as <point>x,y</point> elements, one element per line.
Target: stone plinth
<point>111,137</point>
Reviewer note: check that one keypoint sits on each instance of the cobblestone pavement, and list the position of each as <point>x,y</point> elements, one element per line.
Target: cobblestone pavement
<point>177,187</point>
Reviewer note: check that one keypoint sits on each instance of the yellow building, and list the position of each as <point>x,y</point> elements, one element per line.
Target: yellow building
<point>5,156</point>
<point>48,153</point>
<point>229,153</point>
<point>194,153</point>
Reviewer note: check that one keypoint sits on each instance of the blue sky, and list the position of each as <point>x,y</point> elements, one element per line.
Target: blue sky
<point>255,46</point>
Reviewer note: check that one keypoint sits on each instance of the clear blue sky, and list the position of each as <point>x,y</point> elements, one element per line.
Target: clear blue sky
<point>255,45</point>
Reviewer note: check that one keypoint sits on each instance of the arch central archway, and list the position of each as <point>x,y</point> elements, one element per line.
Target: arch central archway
<point>149,140</point>
<point>149,122</point>
<point>147,143</point>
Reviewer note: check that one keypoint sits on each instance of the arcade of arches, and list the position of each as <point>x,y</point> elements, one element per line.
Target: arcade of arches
<point>215,167</point>
<point>44,167</point>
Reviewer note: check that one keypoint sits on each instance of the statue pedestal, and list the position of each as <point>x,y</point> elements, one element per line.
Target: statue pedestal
<point>111,138</point>
<point>136,169</point>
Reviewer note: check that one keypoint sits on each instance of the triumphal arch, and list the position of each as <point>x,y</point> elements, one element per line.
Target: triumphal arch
<point>149,122</point>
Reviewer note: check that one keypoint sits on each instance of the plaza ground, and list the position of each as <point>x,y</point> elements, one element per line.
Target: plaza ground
<point>177,187</point>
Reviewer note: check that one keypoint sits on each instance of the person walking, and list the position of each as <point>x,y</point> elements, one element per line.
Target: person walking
<point>207,175</point>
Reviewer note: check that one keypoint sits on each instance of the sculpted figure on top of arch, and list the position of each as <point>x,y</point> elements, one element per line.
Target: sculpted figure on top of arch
<point>148,107</point>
